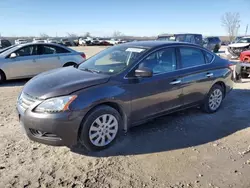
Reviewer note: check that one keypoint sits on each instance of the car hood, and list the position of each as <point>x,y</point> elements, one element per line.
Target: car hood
<point>238,45</point>
<point>62,81</point>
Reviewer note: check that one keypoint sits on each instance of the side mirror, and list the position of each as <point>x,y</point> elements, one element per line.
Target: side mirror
<point>143,72</point>
<point>13,55</point>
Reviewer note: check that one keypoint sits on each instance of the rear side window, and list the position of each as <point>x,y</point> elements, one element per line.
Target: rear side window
<point>49,49</point>
<point>27,51</point>
<point>191,57</point>
<point>209,57</point>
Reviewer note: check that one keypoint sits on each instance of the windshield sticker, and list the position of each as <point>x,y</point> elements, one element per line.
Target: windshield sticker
<point>137,50</point>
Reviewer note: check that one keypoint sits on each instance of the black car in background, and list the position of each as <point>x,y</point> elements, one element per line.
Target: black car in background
<point>184,37</point>
<point>120,87</point>
<point>212,43</point>
<point>4,43</point>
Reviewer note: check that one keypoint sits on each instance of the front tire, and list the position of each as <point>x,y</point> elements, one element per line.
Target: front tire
<point>100,128</point>
<point>213,99</point>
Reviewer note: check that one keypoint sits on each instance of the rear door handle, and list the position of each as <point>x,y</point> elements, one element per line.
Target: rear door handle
<point>175,82</point>
<point>209,75</point>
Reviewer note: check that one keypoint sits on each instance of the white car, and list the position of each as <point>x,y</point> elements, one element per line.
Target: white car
<point>38,40</point>
<point>51,40</point>
<point>20,41</point>
<point>82,42</point>
<point>30,59</point>
<point>233,51</point>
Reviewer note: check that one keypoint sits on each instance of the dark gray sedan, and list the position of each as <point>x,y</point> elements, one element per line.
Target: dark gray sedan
<point>120,87</point>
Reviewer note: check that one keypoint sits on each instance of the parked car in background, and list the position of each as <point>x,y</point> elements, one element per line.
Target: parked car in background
<point>234,50</point>
<point>30,59</point>
<point>4,43</point>
<point>95,41</point>
<point>104,41</point>
<point>225,43</point>
<point>185,37</point>
<point>103,96</point>
<point>65,42</point>
<point>236,39</point>
<point>38,40</point>
<point>82,42</point>
<point>212,43</point>
<point>52,40</point>
<point>20,41</point>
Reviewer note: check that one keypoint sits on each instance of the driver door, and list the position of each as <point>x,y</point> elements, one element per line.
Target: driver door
<point>23,65</point>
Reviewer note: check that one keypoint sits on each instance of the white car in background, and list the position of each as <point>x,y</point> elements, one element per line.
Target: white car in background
<point>234,50</point>
<point>38,40</point>
<point>51,40</point>
<point>30,59</point>
<point>82,41</point>
<point>20,41</point>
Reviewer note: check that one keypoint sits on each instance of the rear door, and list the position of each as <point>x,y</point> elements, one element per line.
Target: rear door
<point>196,73</point>
<point>48,58</point>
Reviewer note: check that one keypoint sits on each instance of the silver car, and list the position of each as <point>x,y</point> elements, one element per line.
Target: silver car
<point>30,59</point>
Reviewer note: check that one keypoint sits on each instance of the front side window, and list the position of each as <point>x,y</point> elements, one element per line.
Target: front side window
<point>191,57</point>
<point>112,60</point>
<point>27,51</point>
<point>161,61</point>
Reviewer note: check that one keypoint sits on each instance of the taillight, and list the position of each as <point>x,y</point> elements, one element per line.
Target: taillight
<point>83,55</point>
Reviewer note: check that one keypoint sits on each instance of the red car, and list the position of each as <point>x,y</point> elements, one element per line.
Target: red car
<point>245,56</point>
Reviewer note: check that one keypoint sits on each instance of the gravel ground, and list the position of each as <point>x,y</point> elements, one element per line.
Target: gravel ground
<point>185,149</point>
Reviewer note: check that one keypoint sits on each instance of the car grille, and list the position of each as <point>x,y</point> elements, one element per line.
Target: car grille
<point>236,51</point>
<point>25,101</point>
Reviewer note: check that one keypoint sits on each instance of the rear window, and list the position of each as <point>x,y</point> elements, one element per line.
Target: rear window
<point>191,57</point>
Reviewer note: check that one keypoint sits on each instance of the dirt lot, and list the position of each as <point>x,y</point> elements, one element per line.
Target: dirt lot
<point>185,149</point>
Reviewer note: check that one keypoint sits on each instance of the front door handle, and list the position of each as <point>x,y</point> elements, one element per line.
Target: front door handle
<point>210,75</point>
<point>175,82</point>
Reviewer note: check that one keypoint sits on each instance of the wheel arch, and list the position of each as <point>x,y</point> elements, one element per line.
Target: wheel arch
<point>3,74</point>
<point>223,85</point>
<point>111,104</point>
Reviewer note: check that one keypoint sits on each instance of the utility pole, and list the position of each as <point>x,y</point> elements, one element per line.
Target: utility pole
<point>246,30</point>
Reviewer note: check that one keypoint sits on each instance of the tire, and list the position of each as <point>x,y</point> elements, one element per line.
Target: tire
<point>244,75</point>
<point>210,105</point>
<point>69,64</point>
<point>90,126</point>
<point>2,77</point>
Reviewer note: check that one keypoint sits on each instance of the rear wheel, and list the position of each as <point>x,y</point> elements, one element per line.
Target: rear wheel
<point>214,99</point>
<point>69,64</point>
<point>2,77</point>
<point>100,128</point>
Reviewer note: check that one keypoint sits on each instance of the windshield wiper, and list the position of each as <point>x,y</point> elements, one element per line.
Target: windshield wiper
<point>91,70</point>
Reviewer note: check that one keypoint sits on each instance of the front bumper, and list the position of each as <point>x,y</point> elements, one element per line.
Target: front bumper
<point>60,129</point>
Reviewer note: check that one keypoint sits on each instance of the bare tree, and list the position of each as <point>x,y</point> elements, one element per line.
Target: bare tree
<point>44,35</point>
<point>87,34</point>
<point>231,22</point>
<point>117,34</point>
<point>72,35</point>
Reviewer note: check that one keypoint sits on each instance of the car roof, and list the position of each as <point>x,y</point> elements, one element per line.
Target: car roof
<point>156,43</point>
<point>162,35</point>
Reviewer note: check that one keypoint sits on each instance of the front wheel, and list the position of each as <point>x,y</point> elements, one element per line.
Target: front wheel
<point>100,128</point>
<point>214,99</point>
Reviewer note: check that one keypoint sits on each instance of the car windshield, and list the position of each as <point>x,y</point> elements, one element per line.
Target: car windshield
<point>112,60</point>
<point>7,48</point>
<point>244,40</point>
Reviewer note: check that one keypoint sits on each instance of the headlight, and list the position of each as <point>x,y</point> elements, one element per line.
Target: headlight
<point>58,104</point>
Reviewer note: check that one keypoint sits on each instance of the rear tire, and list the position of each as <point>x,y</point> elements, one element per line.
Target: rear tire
<point>100,128</point>
<point>69,64</point>
<point>213,99</point>
<point>2,77</point>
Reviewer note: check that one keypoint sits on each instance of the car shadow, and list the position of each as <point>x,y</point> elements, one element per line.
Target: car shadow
<point>183,129</point>
<point>14,83</point>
